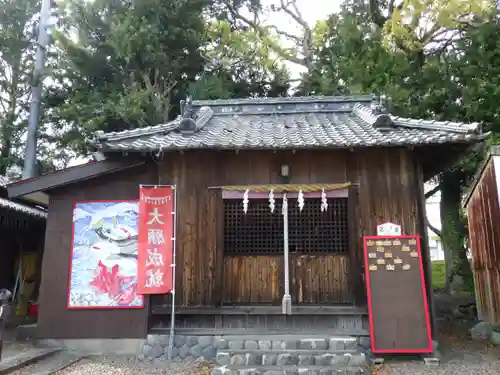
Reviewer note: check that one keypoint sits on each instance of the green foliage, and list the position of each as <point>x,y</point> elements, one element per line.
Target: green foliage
<point>125,65</point>
<point>238,64</point>
<point>17,35</point>
<point>412,24</point>
<point>438,274</point>
<point>425,75</point>
<point>121,63</point>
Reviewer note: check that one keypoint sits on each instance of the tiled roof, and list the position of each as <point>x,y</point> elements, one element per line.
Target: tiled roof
<point>4,181</point>
<point>18,207</point>
<point>289,123</point>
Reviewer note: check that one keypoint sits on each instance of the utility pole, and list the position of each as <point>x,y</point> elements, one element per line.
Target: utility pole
<point>36,90</point>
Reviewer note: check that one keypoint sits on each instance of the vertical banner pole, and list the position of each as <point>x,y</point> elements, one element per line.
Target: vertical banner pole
<point>172,314</point>
<point>287,300</point>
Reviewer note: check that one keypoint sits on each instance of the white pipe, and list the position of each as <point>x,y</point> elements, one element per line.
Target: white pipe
<point>287,300</point>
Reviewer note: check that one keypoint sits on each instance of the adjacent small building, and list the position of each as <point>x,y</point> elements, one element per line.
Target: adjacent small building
<point>370,165</point>
<point>22,232</point>
<point>482,205</point>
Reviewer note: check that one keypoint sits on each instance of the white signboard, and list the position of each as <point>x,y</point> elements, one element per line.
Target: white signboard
<point>388,229</point>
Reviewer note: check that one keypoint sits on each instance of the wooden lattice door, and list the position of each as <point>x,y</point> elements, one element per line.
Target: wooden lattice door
<point>318,252</point>
<point>319,245</point>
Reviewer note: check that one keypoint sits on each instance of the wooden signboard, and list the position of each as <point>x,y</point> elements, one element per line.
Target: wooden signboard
<point>397,299</point>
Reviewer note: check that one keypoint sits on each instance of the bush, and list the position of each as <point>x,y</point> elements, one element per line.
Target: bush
<point>438,274</point>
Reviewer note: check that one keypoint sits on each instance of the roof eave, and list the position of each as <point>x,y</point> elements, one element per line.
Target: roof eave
<point>491,152</point>
<point>107,148</point>
<point>22,209</point>
<point>67,176</point>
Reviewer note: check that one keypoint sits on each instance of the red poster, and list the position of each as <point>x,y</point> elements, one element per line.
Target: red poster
<point>156,233</point>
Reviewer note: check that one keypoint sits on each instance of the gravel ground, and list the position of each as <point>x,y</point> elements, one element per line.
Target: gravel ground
<point>469,364</point>
<point>27,370</point>
<point>131,366</point>
<point>459,355</point>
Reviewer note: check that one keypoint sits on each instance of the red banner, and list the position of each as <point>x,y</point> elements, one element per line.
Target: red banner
<point>156,233</point>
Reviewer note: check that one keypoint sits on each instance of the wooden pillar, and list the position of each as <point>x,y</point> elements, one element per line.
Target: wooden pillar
<point>355,249</point>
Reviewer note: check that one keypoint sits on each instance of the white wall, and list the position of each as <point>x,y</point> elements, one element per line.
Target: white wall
<point>433,215</point>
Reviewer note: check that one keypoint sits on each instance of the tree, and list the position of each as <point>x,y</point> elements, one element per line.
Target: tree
<point>411,25</point>
<point>428,34</point>
<point>297,48</point>
<point>238,64</point>
<point>17,36</point>
<point>424,76</point>
<point>121,63</point>
<point>126,65</point>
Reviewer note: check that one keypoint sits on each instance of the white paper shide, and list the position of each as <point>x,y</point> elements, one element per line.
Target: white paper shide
<point>272,202</point>
<point>324,202</point>
<point>245,201</point>
<point>300,200</point>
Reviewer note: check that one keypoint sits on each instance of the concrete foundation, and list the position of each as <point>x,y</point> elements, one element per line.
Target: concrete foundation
<point>98,346</point>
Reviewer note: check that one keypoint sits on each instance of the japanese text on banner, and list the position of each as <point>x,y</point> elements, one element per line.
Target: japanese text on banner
<point>156,231</point>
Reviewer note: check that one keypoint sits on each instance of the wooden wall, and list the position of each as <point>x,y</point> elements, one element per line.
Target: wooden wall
<point>208,278</point>
<point>55,320</point>
<point>314,278</point>
<point>483,213</point>
<point>386,189</point>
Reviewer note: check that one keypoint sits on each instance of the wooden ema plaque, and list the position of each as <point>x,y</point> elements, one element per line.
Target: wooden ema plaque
<point>397,299</point>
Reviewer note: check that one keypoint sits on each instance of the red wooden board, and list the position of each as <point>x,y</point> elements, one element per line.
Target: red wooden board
<point>397,299</point>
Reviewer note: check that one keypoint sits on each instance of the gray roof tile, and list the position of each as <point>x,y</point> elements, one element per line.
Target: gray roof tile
<point>290,123</point>
<point>19,207</point>
<point>4,180</point>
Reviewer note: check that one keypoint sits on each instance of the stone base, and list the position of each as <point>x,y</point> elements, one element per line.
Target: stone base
<point>264,353</point>
<point>185,347</point>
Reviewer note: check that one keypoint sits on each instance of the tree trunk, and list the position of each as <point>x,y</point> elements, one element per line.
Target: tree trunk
<point>453,232</point>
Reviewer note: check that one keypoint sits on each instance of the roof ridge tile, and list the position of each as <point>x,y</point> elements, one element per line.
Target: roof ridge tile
<point>322,124</point>
<point>381,121</point>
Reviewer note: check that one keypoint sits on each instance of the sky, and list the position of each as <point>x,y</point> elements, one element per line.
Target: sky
<point>311,10</point>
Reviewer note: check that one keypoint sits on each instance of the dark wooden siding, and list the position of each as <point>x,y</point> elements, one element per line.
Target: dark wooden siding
<point>483,213</point>
<point>55,320</point>
<point>203,271</point>
<point>386,189</point>
<point>320,279</point>
<point>314,279</point>
<point>389,190</point>
<point>252,279</point>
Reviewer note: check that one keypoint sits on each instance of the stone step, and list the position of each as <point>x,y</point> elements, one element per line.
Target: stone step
<point>283,357</point>
<point>289,370</point>
<point>288,342</point>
